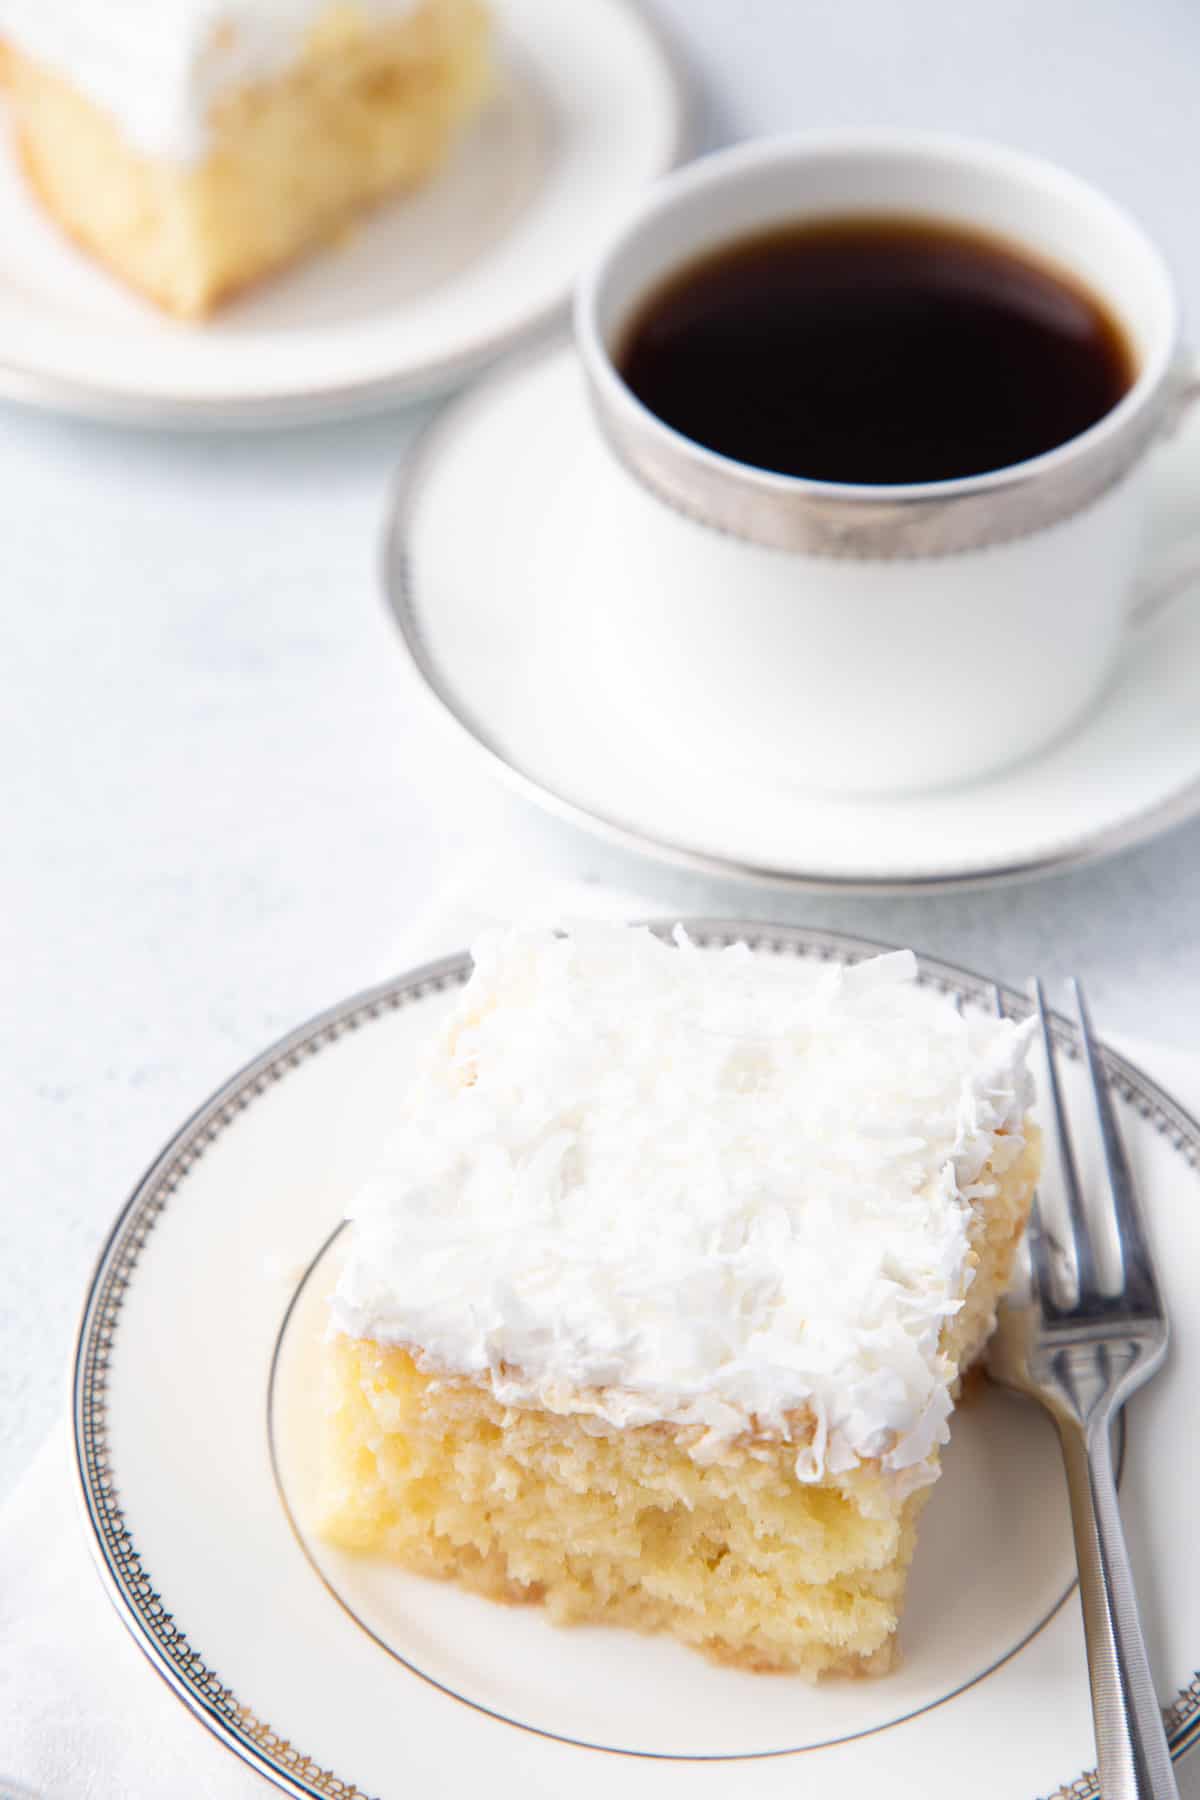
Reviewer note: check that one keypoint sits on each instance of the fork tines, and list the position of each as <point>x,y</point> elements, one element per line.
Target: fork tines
<point>1139,1288</point>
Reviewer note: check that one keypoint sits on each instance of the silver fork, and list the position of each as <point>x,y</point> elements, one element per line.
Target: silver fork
<point>1082,1352</point>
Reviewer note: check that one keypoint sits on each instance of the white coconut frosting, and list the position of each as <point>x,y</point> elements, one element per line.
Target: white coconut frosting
<point>718,1188</point>
<point>159,65</point>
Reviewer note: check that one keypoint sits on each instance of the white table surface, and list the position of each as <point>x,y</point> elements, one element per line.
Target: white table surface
<point>217,807</point>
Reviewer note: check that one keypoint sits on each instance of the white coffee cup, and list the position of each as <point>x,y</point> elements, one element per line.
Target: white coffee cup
<point>866,638</point>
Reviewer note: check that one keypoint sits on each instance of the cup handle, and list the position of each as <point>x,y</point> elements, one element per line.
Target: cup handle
<point>1172,573</point>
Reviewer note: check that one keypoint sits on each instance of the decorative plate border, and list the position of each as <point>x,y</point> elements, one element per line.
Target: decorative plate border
<point>130,1585</point>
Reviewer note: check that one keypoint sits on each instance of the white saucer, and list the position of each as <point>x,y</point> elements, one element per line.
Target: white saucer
<point>195,1411</point>
<point>590,107</point>
<point>498,562</point>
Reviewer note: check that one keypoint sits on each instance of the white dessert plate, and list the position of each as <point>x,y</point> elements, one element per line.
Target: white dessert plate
<point>195,1409</point>
<point>507,628</point>
<point>590,106</point>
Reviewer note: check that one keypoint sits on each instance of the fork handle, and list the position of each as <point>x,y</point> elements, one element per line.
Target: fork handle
<point>1131,1745</point>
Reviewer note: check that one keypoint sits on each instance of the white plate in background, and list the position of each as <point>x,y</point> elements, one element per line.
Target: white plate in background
<point>590,106</point>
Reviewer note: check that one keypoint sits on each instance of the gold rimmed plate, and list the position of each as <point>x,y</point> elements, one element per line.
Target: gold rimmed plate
<point>195,1421</point>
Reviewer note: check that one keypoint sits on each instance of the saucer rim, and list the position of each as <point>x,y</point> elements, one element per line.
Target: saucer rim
<point>398,589</point>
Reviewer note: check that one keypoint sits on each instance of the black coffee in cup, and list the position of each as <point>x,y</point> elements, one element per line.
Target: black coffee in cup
<point>876,350</point>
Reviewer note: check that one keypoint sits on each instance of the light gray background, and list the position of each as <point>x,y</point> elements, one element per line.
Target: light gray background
<point>218,809</point>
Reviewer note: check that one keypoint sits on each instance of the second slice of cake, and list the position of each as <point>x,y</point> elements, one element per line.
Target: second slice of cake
<point>196,146</point>
<point>655,1311</point>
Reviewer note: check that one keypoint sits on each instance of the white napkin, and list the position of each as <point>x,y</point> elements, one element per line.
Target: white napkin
<point>82,1716</point>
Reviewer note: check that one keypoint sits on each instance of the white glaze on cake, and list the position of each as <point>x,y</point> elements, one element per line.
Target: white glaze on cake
<point>158,65</point>
<point>715,1188</point>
